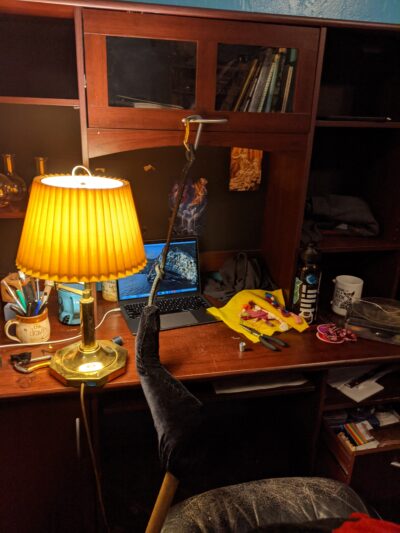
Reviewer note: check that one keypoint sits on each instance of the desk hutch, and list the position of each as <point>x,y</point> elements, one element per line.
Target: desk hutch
<point>340,136</point>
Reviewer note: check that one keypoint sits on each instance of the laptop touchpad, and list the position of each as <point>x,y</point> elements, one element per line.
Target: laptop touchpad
<point>177,320</point>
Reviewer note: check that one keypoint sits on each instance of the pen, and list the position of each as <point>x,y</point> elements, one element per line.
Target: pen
<point>45,296</point>
<point>28,292</point>
<point>21,298</point>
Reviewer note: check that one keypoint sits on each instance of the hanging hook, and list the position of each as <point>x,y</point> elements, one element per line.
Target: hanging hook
<point>198,119</point>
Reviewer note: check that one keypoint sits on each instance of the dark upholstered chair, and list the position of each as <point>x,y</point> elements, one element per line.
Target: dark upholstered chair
<point>257,505</point>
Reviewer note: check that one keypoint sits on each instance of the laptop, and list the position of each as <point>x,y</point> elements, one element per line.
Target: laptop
<point>179,295</point>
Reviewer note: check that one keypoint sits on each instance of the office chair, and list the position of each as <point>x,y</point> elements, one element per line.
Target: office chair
<point>282,504</point>
<point>241,508</point>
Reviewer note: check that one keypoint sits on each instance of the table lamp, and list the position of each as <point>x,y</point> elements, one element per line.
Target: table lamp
<point>82,228</point>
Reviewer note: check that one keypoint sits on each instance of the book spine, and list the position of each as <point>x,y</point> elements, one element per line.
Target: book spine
<point>273,82</point>
<point>279,86</point>
<point>246,103</point>
<point>246,85</point>
<point>287,88</point>
<point>258,91</point>
<point>266,88</point>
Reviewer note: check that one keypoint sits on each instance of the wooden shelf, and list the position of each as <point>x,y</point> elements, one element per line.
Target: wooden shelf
<point>11,212</point>
<point>335,400</point>
<point>356,124</point>
<point>27,100</point>
<point>337,243</point>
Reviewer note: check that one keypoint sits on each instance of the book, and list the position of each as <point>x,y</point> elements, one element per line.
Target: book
<point>275,68</point>
<point>253,83</point>
<point>234,86</point>
<point>142,103</point>
<point>247,83</point>
<point>266,87</point>
<point>262,78</point>
<point>279,86</point>
<point>286,92</point>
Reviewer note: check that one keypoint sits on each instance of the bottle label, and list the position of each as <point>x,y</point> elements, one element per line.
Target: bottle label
<point>308,302</point>
<point>109,291</point>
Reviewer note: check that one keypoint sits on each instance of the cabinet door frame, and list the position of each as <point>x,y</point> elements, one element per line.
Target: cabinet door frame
<point>206,34</point>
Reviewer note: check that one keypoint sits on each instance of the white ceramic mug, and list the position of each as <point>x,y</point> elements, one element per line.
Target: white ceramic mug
<point>29,328</point>
<point>347,289</point>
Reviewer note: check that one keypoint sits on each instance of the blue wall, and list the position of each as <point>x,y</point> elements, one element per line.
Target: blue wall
<point>386,11</point>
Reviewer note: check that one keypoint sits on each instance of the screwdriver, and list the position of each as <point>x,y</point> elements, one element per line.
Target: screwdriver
<point>268,341</point>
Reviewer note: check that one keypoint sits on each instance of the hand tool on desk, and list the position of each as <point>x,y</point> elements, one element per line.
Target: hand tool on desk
<point>267,340</point>
<point>25,363</point>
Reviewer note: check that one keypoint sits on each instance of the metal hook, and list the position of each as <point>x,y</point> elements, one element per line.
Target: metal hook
<point>198,119</point>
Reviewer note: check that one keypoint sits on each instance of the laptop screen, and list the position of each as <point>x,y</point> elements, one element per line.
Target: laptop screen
<point>181,271</point>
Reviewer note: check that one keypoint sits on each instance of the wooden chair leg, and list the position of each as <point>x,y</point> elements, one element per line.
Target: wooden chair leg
<point>163,503</point>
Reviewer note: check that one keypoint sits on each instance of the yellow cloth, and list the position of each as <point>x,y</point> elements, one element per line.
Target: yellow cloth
<point>230,313</point>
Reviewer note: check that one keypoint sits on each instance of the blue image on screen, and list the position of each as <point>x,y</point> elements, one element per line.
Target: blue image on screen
<point>181,271</point>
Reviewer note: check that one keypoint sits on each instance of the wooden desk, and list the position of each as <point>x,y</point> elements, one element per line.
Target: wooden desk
<point>198,353</point>
<point>39,416</point>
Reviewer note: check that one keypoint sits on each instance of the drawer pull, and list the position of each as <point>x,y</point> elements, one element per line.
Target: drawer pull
<point>396,464</point>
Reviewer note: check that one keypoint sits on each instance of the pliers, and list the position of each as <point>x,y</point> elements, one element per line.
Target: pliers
<point>267,340</point>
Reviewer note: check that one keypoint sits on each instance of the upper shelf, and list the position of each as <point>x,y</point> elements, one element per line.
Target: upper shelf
<point>337,243</point>
<point>64,102</point>
<point>357,122</point>
<point>12,212</point>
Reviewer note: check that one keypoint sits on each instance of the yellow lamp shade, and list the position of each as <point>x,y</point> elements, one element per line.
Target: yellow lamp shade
<point>80,228</point>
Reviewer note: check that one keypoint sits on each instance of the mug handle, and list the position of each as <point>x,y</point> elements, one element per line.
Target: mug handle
<point>8,326</point>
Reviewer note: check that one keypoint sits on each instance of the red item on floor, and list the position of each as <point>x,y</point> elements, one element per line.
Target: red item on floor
<point>361,523</point>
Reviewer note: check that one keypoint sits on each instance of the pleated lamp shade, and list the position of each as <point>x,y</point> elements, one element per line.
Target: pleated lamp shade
<point>80,228</point>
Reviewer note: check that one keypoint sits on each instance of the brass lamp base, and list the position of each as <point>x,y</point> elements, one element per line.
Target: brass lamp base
<point>73,365</point>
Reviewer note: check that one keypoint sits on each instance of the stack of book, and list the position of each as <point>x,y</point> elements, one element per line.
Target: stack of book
<point>259,84</point>
<point>358,435</point>
<point>365,429</point>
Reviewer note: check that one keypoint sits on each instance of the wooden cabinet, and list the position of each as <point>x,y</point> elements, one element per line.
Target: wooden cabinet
<point>147,71</point>
<point>45,481</point>
<point>356,153</point>
<point>373,473</point>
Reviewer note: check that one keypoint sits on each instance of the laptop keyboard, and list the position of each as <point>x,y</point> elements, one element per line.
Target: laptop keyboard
<point>169,305</point>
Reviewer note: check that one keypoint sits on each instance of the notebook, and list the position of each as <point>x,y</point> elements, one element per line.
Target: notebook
<point>179,293</point>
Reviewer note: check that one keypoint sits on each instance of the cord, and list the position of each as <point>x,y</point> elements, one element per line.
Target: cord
<point>93,458</point>
<point>190,158</point>
<point>58,341</point>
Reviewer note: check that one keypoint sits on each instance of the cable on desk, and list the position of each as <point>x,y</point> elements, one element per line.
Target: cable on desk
<point>59,341</point>
<point>93,458</point>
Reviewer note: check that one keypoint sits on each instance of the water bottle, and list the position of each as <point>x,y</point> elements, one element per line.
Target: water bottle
<point>306,290</point>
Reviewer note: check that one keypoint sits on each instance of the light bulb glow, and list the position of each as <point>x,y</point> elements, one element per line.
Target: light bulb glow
<point>82,182</point>
<point>93,366</point>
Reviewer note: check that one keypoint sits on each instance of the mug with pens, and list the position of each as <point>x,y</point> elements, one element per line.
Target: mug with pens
<point>30,307</point>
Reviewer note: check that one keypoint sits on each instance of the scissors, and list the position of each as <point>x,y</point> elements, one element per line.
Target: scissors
<point>268,341</point>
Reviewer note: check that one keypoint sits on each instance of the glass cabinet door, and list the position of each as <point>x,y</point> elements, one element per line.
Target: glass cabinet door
<point>150,73</point>
<point>147,72</point>
<point>255,79</point>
